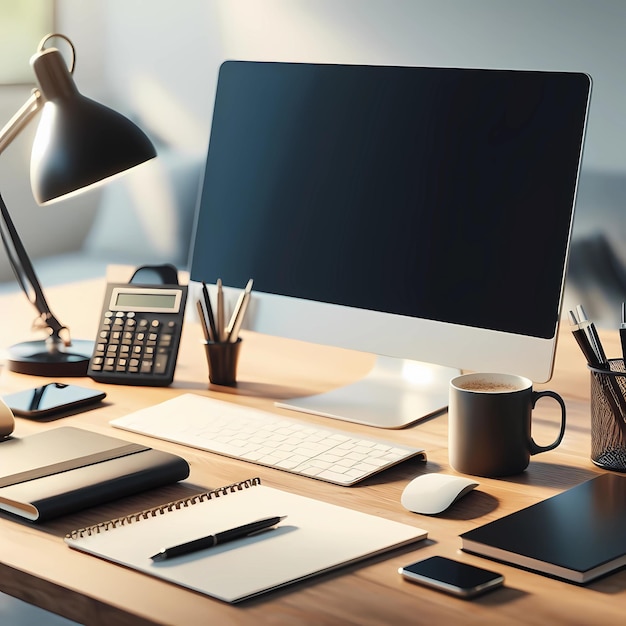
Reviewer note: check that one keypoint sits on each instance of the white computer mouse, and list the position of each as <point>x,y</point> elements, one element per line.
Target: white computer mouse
<point>434,493</point>
<point>7,421</point>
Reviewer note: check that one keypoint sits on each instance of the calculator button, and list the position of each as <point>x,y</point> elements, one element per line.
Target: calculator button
<point>160,364</point>
<point>146,367</point>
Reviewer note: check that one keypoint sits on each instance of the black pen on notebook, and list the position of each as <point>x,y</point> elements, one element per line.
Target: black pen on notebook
<point>218,538</point>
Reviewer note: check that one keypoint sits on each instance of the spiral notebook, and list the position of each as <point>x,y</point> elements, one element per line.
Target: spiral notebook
<point>315,537</point>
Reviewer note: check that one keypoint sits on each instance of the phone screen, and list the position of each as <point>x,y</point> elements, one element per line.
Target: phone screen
<point>51,398</point>
<point>452,576</point>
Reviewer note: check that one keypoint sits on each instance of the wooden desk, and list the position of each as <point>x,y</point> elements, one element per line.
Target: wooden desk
<point>37,566</point>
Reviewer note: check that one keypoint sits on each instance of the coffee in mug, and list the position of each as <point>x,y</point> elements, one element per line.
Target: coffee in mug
<point>489,424</point>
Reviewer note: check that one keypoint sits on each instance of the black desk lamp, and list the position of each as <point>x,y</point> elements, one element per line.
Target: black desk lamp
<point>78,143</point>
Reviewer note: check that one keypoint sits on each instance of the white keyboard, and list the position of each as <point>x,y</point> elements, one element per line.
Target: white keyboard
<point>267,439</point>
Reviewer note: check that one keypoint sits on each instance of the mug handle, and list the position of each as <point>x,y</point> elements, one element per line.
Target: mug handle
<point>535,448</point>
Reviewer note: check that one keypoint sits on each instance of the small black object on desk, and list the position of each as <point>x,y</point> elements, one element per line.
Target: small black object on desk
<point>218,538</point>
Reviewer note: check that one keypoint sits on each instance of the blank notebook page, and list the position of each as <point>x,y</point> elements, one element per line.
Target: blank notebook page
<point>315,537</point>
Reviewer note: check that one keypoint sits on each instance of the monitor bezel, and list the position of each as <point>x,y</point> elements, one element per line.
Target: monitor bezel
<point>424,340</point>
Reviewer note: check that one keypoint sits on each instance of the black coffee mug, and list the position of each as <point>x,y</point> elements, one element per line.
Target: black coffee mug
<point>489,424</point>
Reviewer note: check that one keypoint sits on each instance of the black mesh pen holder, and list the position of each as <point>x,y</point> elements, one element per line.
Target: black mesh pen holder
<point>608,416</point>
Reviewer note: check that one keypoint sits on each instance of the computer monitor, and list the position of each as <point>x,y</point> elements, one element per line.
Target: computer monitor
<point>414,213</point>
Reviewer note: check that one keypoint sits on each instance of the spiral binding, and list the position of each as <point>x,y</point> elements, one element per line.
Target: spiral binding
<point>162,509</point>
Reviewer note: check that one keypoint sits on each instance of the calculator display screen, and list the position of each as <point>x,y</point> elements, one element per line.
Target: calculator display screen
<point>152,300</point>
<point>155,300</point>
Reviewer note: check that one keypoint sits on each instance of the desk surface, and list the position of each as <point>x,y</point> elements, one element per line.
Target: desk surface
<point>37,566</point>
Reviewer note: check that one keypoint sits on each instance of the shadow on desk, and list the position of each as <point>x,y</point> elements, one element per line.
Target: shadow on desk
<point>115,509</point>
<point>46,419</point>
<point>546,474</point>
<point>262,390</point>
<point>245,388</point>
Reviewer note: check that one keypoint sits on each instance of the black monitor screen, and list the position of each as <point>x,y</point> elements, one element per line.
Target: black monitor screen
<point>445,194</point>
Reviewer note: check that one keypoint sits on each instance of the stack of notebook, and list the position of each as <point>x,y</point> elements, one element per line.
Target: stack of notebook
<point>577,535</point>
<point>66,469</point>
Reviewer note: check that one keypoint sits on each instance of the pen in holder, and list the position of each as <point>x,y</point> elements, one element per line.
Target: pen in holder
<point>608,415</point>
<point>222,343</point>
<point>222,358</point>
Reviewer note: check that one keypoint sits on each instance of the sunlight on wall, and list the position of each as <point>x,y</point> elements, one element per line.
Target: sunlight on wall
<point>152,195</point>
<point>289,31</point>
<point>145,92</point>
<point>22,26</point>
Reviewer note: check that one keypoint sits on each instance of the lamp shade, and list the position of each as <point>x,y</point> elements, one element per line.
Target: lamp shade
<point>79,142</point>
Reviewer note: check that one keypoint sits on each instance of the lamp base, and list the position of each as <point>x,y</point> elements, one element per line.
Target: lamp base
<point>34,359</point>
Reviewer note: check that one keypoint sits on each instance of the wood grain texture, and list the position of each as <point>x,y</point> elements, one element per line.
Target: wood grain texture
<point>37,566</point>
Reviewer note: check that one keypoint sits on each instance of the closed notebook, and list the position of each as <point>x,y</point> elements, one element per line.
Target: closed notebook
<point>315,537</point>
<point>63,470</point>
<point>577,535</point>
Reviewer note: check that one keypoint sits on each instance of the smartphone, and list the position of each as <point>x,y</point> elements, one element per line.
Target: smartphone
<point>454,577</point>
<point>51,399</point>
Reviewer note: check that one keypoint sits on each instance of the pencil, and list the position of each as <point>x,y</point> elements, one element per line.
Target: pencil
<point>220,311</point>
<point>205,328</point>
<point>234,326</point>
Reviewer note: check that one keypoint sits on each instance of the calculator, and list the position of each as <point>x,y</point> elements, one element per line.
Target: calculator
<point>139,334</point>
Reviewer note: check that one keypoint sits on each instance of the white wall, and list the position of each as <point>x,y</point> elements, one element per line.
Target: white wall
<point>165,60</point>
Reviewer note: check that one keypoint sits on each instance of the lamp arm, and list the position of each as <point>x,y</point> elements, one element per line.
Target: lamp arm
<point>18,257</point>
<point>21,119</point>
<point>28,281</point>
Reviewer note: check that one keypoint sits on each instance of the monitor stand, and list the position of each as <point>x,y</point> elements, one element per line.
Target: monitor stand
<point>394,394</point>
